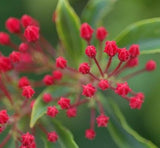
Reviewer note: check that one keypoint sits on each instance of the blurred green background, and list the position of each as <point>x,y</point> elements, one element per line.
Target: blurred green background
<point>125,12</point>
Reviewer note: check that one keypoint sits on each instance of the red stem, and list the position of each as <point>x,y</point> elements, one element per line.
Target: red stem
<point>100,70</point>
<point>5,91</point>
<point>92,118</point>
<point>6,139</point>
<point>80,102</point>
<point>108,64</point>
<point>94,76</point>
<point>115,70</point>
<point>133,74</point>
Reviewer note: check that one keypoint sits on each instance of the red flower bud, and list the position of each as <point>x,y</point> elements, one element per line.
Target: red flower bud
<point>123,54</point>
<point>4,38</point>
<point>134,50</point>
<point>52,137</point>
<point>64,103</point>
<point>71,112</point>
<point>101,33</point>
<point>132,62</point>
<point>52,111</point>
<point>5,64</point>
<point>140,95</point>
<point>86,32</point>
<point>84,68</point>
<point>90,134</point>
<point>23,47</point>
<point>48,80</point>
<point>135,102</point>
<point>57,75</point>
<point>61,62</point>
<point>88,90</point>
<point>103,84</point>
<point>23,82</point>
<point>90,51</point>
<point>31,33</point>
<point>3,117</point>
<point>27,140</point>
<point>150,65</point>
<point>102,120</point>
<point>27,20</point>
<point>122,89</point>
<point>13,25</point>
<point>47,97</point>
<point>15,56</point>
<point>111,48</point>
<point>28,92</point>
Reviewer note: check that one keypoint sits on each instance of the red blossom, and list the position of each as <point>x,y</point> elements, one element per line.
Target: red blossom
<point>15,56</point>
<point>122,89</point>
<point>52,136</point>
<point>103,84</point>
<point>134,50</point>
<point>3,117</point>
<point>135,102</point>
<point>132,62</point>
<point>90,51</point>
<point>88,90</point>
<point>64,103</point>
<point>13,25</point>
<point>57,75</point>
<point>102,120</point>
<point>28,92</point>
<point>23,47</point>
<point>28,140</point>
<point>27,20</point>
<point>5,64</point>
<point>123,54</point>
<point>84,68</point>
<point>71,112</point>
<point>111,48</point>
<point>31,33</point>
<point>23,81</point>
<point>150,65</point>
<point>90,134</point>
<point>52,111</point>
<point>4,38</point>
<point>86,32</point>
<point>48,80</point>
<point>47,97</point>
<point>101,33</point>
<point>61,62</point>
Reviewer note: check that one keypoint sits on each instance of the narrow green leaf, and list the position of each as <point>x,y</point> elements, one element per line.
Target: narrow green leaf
<point>39,108</point>
<point>122,133</point>
<point>146,33</point>
<point>68,26</point>
<point>96,10</point>
<point>65,137</point>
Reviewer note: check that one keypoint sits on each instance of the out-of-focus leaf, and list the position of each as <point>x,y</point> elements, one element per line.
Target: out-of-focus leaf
<point>146,33</point>
<point>122,134</point>
<point>68,26</point>
<point>96,10</point>
<point>39,108</point>
<point>65,137</point>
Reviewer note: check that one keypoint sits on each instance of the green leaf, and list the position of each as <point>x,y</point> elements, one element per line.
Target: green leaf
<point>68,26</point>
<point>65,137</point>
<point>40,107</point>
<point>121,132</point>
<point>146,33</point>
<point>96,10</point>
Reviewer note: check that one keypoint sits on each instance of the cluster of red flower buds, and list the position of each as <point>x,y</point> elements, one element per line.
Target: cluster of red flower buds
<point>30,56</point>
<point>106,79</point>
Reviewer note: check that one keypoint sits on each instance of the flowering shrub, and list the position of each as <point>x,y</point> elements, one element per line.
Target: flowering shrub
<point>72,77</point>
